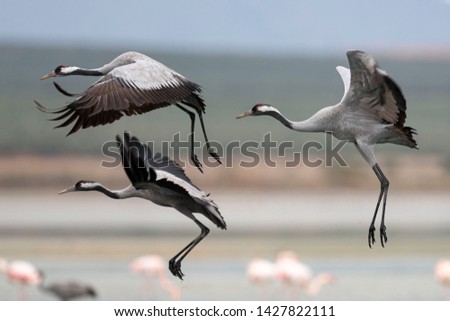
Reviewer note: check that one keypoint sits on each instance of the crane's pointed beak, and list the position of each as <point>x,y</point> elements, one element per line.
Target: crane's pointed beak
<point>247,113</point>
<point>49,75</point>
<point>67,190</point>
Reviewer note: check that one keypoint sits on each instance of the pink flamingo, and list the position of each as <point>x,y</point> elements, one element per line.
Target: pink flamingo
<point>22,272</point>
<point>442,273</point>
<point>154,267</point>
<point>262,273</point>
<point>295,274</point>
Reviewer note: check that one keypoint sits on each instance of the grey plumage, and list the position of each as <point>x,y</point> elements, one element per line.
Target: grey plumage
<point>70,290</point>
<point>372,111</point>
<point>131,84</point>
<point>161,181</point>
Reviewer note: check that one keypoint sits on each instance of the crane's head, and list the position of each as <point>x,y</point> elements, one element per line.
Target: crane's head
<point>258,110</point>
<point>81,186</point>
<point>59,71</point>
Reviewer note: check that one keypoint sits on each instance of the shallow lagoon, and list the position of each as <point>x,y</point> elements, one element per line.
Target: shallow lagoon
<point>91,238</point>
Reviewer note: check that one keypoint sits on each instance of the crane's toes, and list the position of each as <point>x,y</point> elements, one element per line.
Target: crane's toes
<point>175,269</point>
<point>197,163</point>
<point>371,235</point>
<point>383,235</point>
<point>212,152</point>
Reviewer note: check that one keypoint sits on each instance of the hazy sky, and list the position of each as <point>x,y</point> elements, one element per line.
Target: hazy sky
<point>280,26</point>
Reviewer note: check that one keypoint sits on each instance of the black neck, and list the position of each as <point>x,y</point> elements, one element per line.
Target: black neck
<point>281,118</point>
<point>107,192</point>
<point>86,72</point>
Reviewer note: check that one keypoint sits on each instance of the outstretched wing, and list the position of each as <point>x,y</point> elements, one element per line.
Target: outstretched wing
<point>345,75</point>
<point>142,167</point>
<point>371,90</point>
<point>133,161</point>
<point>130,89</point>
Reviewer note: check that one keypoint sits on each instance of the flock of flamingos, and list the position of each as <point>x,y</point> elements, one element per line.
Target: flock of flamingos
<point>287,274</point>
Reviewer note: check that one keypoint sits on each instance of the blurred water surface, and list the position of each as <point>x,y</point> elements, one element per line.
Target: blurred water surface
<point>91,238</point>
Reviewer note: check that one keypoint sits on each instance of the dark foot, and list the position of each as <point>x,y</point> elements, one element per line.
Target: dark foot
<point>197,163</point>
<point>383,235</point>
<point>212,152</point>
<point>175,268</point>
<point>371,235</point>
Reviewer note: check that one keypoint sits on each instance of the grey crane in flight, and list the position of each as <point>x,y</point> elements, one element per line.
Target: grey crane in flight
<point>372,111</point>
<point>162,181</point>
<point>131,84</point>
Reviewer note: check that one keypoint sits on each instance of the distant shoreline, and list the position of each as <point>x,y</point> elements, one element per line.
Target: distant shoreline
<point>419,173</point>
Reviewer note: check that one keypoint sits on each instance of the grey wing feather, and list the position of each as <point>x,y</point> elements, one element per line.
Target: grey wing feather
<point>144,168</point>
<point>131,89</point>
<point>372,91</point>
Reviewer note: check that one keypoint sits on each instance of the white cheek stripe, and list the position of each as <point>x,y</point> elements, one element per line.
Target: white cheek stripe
<point>266,109</point>
<point>67,70</point>
<point>89,185</point>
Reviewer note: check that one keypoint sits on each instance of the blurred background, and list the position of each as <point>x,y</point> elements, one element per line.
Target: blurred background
<point>241,53</point>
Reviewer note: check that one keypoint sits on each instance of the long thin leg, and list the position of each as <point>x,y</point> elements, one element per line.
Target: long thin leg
<point>383,194</point>
<point>371,237</point>
<point>367,152</point>
<point>208,145</point>
<point>175,262</point>
<point>193,156</point>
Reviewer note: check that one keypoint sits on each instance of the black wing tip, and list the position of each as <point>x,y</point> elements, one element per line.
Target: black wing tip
<point>135,139</point>
<point>352,52</point>
<point>62,91</point>
<point>409,132</point>
<point>125,136</point>
<point>40,107</point>
<point>46,110</point>
<point>128,138</point>
<point>72,131</point>
<point>218,220</point>
<point>118,141</point>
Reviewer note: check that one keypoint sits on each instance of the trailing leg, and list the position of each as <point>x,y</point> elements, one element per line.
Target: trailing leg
<point>193,156</point>
<point>383,192</point>
<point>175,262</point>
<point>208,145</point>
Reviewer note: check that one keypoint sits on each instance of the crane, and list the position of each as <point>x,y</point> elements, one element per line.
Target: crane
<point>131,84</point>
<point>69,290</point>
<point>372,111</point>
<point>163,182</point>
